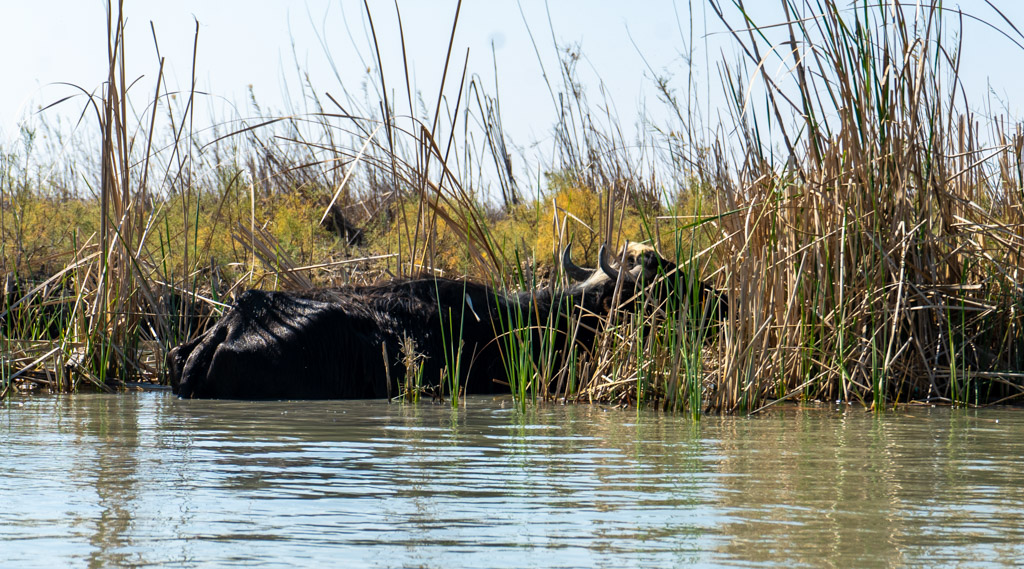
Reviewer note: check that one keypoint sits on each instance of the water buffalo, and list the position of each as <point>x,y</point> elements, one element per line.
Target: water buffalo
<point>354,342</point>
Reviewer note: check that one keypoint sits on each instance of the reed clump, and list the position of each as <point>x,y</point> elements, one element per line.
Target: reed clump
<point>862,226</point>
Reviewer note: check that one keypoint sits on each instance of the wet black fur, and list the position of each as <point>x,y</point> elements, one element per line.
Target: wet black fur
<point>330,344</point>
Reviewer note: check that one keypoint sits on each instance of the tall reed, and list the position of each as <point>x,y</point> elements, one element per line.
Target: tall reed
<point>862,226</point>
<point>873,258</point>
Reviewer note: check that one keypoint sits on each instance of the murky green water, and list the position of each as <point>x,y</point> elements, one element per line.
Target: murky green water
<point>108,481</point>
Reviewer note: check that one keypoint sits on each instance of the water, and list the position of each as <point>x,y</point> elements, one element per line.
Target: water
<point>133,480</point>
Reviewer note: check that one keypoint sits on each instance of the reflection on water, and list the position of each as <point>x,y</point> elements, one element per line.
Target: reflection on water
<point>114,481</point>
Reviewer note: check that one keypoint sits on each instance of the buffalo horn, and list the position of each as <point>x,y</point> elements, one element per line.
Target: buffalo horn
<point>608,269</point>
<point>574,271</point>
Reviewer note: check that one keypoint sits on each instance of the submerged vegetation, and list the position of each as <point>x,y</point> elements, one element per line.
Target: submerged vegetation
<point>864,227</point>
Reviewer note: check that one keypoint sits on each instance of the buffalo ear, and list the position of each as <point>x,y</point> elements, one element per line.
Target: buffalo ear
<point>607,304</point>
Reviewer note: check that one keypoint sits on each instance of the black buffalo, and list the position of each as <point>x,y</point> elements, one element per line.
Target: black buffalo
<point>356,342</point>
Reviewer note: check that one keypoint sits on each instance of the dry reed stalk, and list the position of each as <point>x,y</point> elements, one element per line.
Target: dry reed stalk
<point>878,259</point>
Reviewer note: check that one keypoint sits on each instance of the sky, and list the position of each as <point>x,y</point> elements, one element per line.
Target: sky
<point>259,45</point>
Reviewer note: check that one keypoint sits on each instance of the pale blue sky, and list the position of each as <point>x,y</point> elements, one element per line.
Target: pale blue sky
<point>249,42</point>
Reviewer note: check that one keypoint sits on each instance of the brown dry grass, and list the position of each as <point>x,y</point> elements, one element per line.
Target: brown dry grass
<point>869,246</point>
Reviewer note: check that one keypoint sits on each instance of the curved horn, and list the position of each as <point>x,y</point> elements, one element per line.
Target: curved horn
<point>602,259</point>
<point>574,271</point>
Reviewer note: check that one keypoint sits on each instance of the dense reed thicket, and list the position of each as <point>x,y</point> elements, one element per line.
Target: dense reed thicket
<point>862,222</point>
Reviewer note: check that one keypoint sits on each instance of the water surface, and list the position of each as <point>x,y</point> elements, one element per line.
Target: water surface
<point>132,480</point>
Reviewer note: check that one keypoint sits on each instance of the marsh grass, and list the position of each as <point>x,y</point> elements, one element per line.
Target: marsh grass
<point>863,227</point>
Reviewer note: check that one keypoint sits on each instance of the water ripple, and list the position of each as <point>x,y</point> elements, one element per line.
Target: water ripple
<point>150,479</point>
